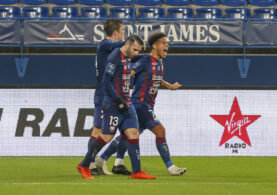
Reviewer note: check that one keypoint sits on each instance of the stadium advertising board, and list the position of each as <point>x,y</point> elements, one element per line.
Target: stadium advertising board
<point>9,31</point>
<point>92,32</point>
<point>261,33</point>
<point>57,122</point>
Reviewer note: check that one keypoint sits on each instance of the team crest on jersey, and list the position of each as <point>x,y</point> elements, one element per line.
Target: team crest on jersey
<point>112,128</point>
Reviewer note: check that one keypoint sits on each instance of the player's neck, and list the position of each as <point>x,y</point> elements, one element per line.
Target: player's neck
<point>113,38</point>
<point>124,50</point>
<point>155,55</point>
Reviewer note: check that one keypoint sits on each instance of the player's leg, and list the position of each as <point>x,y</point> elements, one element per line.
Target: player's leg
<point>87,170</point>
<point>96,131</point>
<point>119,145</point>
<point>130,128</point>
<point>119,167</point>
<point>163,150</point>
<point>109,125</point>
<point>148,120</point>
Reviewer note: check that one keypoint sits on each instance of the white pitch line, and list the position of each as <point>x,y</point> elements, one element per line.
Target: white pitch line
<point>105,183</point>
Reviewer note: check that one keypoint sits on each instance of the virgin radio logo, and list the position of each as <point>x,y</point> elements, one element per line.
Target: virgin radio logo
<point>235,124</point>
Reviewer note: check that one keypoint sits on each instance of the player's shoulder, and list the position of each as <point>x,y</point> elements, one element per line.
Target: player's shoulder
<point>105,42</point>
<point>145,58</point>
<point>115,55</point>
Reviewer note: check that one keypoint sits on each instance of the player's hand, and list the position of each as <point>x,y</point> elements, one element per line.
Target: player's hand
<point>121,105</point>
<point>175,86</point>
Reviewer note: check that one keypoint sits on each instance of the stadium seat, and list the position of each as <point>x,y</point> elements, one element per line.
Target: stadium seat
<point>180,13</point>
<point>63,2</point>
<point>262,2</point>
<point>94,12</point>
<point>151,13</point>
<point>36,12</point>
<point>149,2</point>
<point>265,14</point>
<point>234,2</point>
<point>9,12</point>
<point>205,2</point>
<point>8,2</point>
<point>177,2</point>
<point>122,12</point>
<point>91,2</point>
<point>120,2</point>
<point>237,13</point>
<point>209,13</point>
<point>65,13</point>
<point>33,2</point>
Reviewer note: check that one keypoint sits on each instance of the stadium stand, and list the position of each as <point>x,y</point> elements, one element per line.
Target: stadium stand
<point>237,13</point>
<point>177,2</point>
<point>262,2</point>
<point>265,14</point>
<point>180,13</point>
<point>65,13</point>
<point>63,2</point>
<point>149,2</point>
<point>205,2</point>
<point>91,2</point>
<point>209,13</point>
<point>120,2</point>
<point>94,12</point>
<point>33,2</point>
<point>9,12</point>
<point>36,12</point>
<point>122,12</point>
<point>8,2</point>
<point>234,2</point>
<point>151,13</point>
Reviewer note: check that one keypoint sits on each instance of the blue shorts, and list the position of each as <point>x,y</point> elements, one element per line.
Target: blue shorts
<point>113,120</point>
<point>146,117</point>
<point>97,118</point>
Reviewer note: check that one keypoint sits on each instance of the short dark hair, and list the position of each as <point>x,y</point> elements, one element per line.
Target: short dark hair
<point>155,37</point>
<point>133,38</point>
<point>112,25</point>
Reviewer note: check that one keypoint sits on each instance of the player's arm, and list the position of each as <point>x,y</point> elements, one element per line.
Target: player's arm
<point>174,86</point>
<point>109,89</point>
<point>138,66</point>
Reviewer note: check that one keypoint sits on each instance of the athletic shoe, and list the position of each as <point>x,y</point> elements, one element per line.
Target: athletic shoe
<point>121,169</point>
<point>176,171</point>
<point>84,171</point>
<point>101,164</point>
<point>142,175</point>
<point>96,171</point>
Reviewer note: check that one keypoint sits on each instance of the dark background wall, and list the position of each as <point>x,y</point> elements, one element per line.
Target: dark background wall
<point>74,70</point>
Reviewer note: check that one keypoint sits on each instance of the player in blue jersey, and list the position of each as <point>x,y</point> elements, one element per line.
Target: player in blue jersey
<point>149,73</point>
<point>114,30</point>
<point>118,111</point>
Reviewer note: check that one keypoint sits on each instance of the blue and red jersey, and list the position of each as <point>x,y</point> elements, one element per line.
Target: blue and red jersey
<point>147,81</point>
<point>104,49</point>
<point>117,76</point>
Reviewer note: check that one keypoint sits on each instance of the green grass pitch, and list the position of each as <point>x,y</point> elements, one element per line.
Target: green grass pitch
<point>205,175</point>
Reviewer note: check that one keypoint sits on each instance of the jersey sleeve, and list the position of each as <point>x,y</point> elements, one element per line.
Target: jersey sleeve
<point>139,65</point>
<point>111,45</point>
<point>109,73</point>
